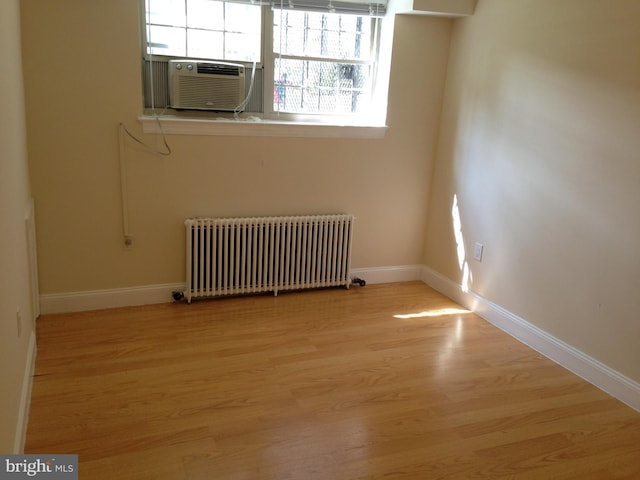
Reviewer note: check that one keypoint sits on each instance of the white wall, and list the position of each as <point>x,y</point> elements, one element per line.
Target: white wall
<point>540,143</point>
<point>90,55</point>
<point>15,197</point>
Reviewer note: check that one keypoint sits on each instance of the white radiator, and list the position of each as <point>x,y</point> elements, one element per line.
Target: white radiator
<point>232,256</point>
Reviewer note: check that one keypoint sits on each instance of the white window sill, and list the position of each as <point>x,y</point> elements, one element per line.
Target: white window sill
<point>255,127</point>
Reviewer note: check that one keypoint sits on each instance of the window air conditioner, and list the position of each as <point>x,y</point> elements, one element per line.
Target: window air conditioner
<point>198,85</point>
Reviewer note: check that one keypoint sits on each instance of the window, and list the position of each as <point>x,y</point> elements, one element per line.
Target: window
<point>317,58</point>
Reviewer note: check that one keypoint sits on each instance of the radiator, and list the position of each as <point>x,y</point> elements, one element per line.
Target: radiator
<point>233,256</point>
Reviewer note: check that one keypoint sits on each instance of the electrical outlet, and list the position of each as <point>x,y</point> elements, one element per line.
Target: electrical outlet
<point>19,320</point>
<point>477,252</point>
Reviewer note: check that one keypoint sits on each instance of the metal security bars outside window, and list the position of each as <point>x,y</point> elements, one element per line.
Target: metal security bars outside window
<point>323,62</point>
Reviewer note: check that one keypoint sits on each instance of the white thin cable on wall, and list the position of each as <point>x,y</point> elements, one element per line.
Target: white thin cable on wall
<point>123,133</point>
<point>243,104</point>
<point>128,239</point>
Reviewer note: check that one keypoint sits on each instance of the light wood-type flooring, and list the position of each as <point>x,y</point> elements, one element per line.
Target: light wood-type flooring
<point>382,382</point>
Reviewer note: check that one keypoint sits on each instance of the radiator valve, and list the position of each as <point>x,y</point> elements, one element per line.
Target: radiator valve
<point>358,281</point>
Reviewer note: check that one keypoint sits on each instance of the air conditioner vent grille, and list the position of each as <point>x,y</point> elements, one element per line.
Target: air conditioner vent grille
<point>219,95</point>
<point>218,69</point>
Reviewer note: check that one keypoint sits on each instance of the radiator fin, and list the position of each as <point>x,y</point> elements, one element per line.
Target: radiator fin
<point>232,256</point>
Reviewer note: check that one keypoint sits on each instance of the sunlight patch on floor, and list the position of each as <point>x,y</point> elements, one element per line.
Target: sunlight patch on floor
<point>434,313</point>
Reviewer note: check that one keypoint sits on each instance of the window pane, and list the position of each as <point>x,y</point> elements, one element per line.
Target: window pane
<point>321,35</point>
<point>205,44</point>
<point>205,14</point>
<point>242,18</point>
<point>242,47</point>
<point>288,32</point>
<point>243,24</point>
<point>166,12</point>
<point>303,86</point>
<point>167,41</point>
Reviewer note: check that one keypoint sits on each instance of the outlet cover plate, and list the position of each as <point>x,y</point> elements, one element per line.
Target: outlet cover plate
<point>477,252</point>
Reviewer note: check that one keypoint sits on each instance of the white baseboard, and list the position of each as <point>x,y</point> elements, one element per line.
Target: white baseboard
<point>110,298</point>
<point>590,369</point>
<point>150,294</point>
<point>401,273</point>
<point>25,397</point>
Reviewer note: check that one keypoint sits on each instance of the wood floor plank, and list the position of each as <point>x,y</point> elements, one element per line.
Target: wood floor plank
<point>388,381</point>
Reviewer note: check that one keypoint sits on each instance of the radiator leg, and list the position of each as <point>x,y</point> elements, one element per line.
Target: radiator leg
<point>178,296</point>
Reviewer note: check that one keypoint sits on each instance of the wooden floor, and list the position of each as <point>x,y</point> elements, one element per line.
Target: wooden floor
<point>387,381</point>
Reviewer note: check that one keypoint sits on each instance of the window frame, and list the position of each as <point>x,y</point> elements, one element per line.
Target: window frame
<point>271,56</point>
<point>269,120</point>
